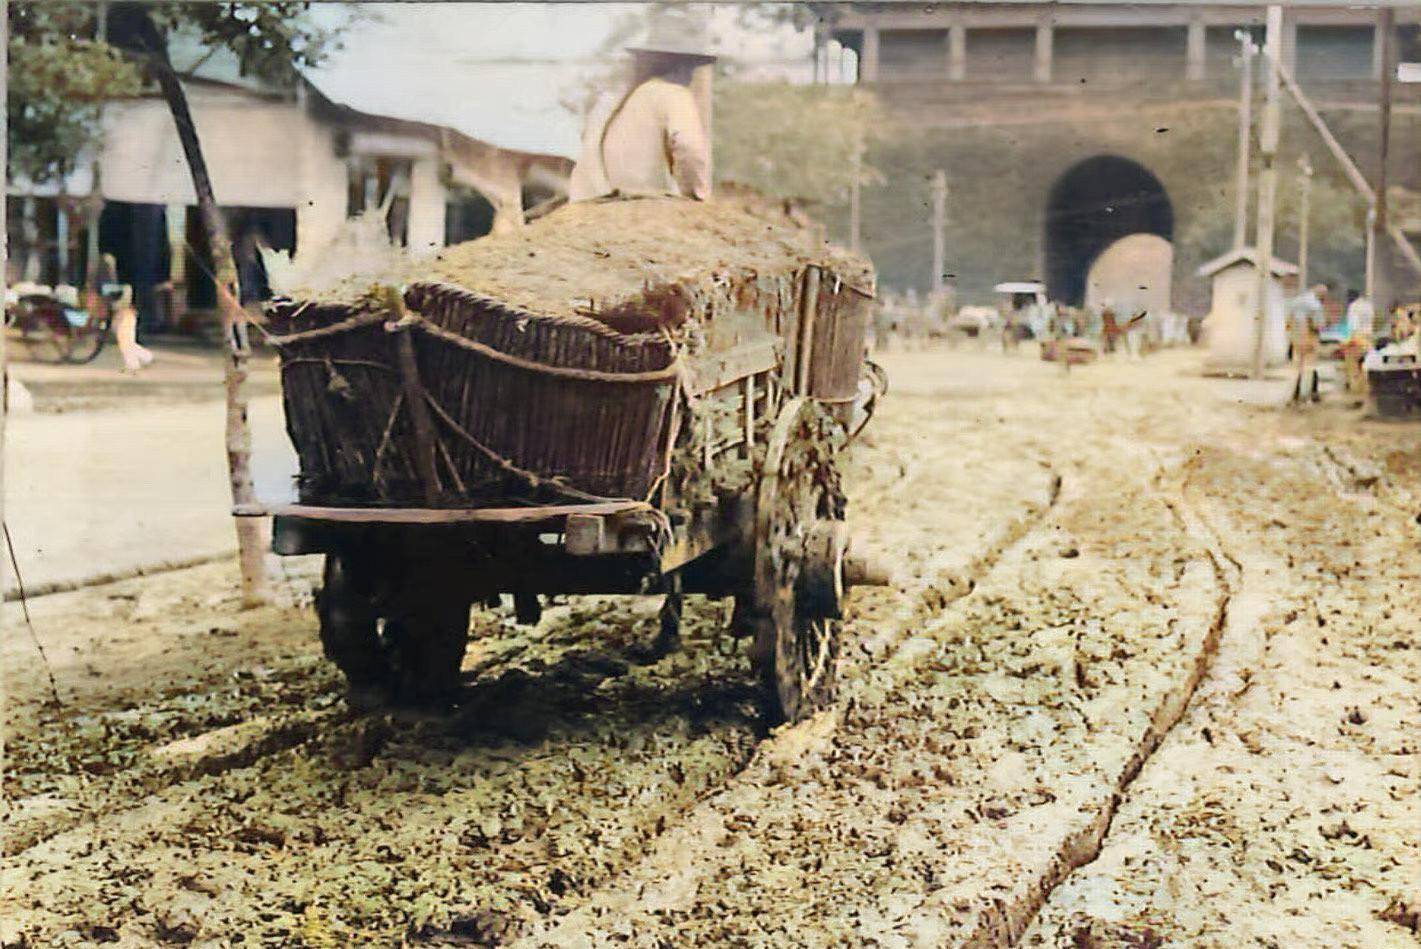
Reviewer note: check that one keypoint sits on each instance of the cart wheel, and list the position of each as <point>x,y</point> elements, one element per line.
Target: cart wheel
<point>345,607</point>
<point>799,545</point>
<point>427,635</point>
<point>415,658</point>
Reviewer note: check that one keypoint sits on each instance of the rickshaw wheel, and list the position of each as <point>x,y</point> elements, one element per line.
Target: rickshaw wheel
<point>44,347</point>
<point>799,534</point>
<point>86,344</point>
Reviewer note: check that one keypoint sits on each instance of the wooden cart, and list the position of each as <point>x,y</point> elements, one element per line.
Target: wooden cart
<point>455,449</point>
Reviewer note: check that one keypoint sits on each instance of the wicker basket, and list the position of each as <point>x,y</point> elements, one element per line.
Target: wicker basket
<point>520,405</point>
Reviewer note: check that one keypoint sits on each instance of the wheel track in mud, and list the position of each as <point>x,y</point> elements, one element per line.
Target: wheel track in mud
<point>1230,578</point>
<point>1083,847</point>
<point>1003,921</point>
<point>1257,617</point>
<point>206,756</point>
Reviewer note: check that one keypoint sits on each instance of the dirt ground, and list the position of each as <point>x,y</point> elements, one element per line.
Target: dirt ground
<point>1148,678</point>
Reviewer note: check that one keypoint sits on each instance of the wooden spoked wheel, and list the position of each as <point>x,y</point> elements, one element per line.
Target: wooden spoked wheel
<point>799,546</point>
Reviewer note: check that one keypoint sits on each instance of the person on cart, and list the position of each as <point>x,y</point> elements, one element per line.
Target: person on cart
<point>652,139</point>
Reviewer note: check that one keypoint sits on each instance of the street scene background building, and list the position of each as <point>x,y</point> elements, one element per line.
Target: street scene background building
<point>1064,127</point>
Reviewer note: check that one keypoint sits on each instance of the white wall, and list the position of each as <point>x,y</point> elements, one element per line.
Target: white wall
<point>1229,327</point>
<point>259,153</point>
<point>427,207</point>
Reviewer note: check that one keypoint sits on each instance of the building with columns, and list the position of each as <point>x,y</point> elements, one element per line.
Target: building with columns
<point>288,167</point>
<point>1067,126</point>
<point>1047,43</point>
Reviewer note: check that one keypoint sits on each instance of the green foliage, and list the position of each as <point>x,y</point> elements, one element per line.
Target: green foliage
<point>272,40</point>
<point>1336,219</point>
<point>58,80</point>
<point>797,142</point>
<point>1336,213</point>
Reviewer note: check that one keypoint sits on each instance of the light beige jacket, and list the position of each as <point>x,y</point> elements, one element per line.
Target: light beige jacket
<point>652,142</point>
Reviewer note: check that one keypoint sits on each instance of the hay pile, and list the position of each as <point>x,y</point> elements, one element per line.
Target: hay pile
<point>592,256</point>
<point>515,334</point>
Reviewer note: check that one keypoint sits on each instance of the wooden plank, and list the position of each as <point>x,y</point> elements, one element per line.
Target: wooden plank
<point>710,371</point>
<point>414,401</point>
<point>808,319</point>
<point>428,515</point>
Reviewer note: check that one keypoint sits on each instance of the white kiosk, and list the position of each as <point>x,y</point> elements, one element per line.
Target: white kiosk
<point>1229,327</point>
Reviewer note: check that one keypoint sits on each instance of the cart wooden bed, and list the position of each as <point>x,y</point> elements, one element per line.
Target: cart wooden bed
<point>456,450</point>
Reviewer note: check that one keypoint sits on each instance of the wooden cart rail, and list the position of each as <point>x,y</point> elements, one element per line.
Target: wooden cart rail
<point>430,515</point>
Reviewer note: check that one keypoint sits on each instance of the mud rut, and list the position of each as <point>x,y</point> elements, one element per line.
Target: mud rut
<point>1063,593</point>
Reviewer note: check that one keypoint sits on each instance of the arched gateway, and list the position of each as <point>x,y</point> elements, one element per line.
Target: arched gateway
<point>1090,207</point>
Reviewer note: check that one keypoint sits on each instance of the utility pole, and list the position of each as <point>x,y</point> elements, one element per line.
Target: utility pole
<point>4,285</point>
<point>939,228</point>
<point>95,207</point>
<point>1247,50</point>
<point>855,200</point>
<point>1386,26</point>
<point>1304,199</point>
<point>1267,182</point>
<point>1370,278</point>
<point>1301,338</point>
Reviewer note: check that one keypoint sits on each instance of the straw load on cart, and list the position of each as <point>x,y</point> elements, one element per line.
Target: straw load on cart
<point>547,363</point>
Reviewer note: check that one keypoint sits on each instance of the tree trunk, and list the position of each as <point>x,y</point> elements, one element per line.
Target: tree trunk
<point>250,530</point>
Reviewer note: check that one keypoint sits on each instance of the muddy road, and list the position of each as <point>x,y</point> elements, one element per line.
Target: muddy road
<point>1079,556</point>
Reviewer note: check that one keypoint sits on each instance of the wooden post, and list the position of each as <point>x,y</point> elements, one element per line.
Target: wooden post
<point>1386,28</point>
<point>420,421</point>
<point>747,393</point>
<point>1301,335</point>
<point>939,227</point>
<point>251,540</point>
<point>1245,126</point>
<point>1304,199</point>
<point>1349,167</point>
<point>1380,41</point>
<point>1267,185</point>
<point>1371,254</point>
<point>808,312</point>
<point>4,285</point>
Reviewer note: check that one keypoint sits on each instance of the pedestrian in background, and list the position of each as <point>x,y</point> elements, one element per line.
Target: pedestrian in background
<point>1307,313</point>
<point>1359,318</point>
<point>125,330</point>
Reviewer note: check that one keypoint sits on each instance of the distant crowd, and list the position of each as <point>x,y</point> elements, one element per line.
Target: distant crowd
<point>1321,323</point>
<point>903,320</point>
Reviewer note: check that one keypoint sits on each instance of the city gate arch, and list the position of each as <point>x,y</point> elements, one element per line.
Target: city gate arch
<point>1093,204</point>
